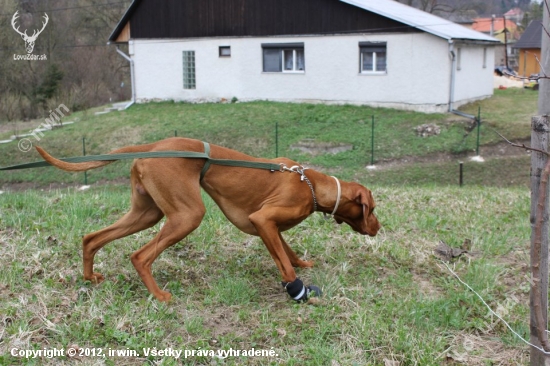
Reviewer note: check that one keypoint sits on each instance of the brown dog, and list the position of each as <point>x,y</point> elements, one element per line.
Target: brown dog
<point>258,202</point>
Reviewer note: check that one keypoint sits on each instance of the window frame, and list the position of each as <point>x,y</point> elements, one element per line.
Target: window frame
<point>294,60</point>
<point>189,70</point>
<point>277,53</point>
<point>221,53</point>
<point>375,48</point>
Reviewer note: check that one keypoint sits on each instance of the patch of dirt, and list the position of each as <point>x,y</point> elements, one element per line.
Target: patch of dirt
<point>222,323</point>
<point>427,130</point>
<point>469,349</point>
<point>318,148</point>
<point>426,288</point>
<point>495,151</point>
<point>25,186</point>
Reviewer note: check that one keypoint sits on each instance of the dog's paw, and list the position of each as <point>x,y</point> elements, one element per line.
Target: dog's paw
<point>96,278</point>
<point>163,296</point>
<point>299,292</point>
<point>313,291</point>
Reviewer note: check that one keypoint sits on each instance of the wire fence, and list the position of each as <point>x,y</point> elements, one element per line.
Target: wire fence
<point>370,144</point>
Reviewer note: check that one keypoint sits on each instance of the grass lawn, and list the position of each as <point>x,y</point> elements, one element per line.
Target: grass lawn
<point>250,127</point>
<point>385,299</point>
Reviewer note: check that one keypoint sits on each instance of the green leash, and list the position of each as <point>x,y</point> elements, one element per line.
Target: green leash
<point>157,154</point>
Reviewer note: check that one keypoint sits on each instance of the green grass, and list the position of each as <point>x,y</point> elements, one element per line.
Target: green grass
<point>250,127</point>
<point>385,298</point>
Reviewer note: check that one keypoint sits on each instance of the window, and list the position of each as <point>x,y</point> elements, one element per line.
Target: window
<point>458,58</point>
<point>283,57</point>
<point>189,81</point>
<point>225,51</point>
<point>485,58</point>
<point>372,57</point>
<point>293,60</point>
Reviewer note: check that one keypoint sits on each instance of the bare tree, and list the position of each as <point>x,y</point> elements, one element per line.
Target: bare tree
<point>80,69</point>
<point>441,7</point>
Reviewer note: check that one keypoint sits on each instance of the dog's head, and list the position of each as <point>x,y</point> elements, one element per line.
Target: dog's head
<point>357,209</point>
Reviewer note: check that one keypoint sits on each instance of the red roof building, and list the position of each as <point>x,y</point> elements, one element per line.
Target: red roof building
<point>485,25</point>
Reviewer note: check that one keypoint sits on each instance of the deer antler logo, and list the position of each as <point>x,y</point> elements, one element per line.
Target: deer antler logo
<point>29,40</point>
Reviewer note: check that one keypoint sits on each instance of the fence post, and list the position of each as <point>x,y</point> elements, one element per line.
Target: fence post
<point>540,129</point>
<point>84,154</point>
<point>478,128</point>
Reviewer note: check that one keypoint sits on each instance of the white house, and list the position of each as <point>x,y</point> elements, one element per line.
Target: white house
<point>372,52</point>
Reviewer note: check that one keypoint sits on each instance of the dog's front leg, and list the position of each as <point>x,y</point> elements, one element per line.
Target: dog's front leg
<point>265,222</point>
<point>269,232</point>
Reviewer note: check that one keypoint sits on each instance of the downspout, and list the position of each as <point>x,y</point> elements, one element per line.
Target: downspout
<point>132,79</point>
<point>453,74</point>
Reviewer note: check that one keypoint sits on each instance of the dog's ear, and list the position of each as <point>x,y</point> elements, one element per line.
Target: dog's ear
<point>370,224</point>
<point>364,197</point>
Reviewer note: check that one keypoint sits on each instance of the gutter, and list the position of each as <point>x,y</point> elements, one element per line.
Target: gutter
<point>453,74</point>
<point>132,78</point>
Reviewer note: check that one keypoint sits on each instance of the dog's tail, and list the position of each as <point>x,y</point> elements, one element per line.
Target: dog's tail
<point>81,167</point>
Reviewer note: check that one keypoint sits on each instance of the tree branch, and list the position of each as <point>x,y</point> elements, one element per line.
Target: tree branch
<point>522,145</point>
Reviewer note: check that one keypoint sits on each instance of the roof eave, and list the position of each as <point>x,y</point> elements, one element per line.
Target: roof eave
<point>426,29</point>
<point>120,25</point>
<point>496,42</point>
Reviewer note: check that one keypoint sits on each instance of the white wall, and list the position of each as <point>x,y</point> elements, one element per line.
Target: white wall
<point>417,78</point>
<point>474,79</point>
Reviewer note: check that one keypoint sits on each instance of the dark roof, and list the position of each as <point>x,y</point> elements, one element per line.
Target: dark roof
<point>395,11</point>
<point>532,36</point>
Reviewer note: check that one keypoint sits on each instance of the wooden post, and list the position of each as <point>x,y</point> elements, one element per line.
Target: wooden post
<point>540,129</point>
<point>539,139</point>
<point>544,83</point>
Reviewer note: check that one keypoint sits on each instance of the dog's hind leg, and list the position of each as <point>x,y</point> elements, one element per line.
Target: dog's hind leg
<point>181,203</point>
<point>177,227</point>
<point>143,214</point>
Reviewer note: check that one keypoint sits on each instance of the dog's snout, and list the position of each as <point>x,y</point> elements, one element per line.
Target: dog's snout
<point>373,227</point>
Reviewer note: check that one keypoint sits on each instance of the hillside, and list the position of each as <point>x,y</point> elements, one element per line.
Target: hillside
<point>401,154</point>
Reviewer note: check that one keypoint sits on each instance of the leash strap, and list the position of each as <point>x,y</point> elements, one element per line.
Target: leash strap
<point>208,162</point>
<point>155,154</point>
